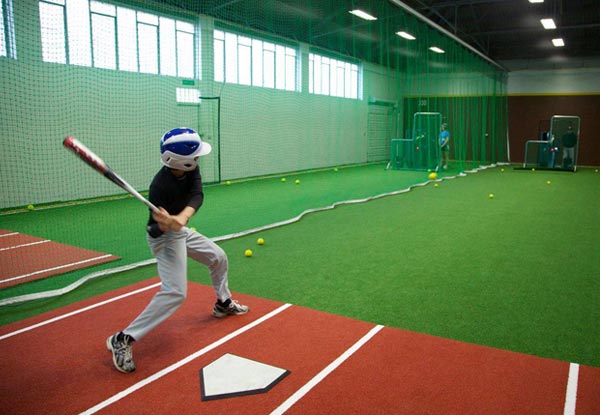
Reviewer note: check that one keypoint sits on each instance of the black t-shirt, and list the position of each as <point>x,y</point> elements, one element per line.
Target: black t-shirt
<point>174,193</point>
<point>569,139</point>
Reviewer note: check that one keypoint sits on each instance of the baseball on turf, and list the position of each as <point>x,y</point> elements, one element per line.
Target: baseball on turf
<point>260,241</point>
<point>248,253</point>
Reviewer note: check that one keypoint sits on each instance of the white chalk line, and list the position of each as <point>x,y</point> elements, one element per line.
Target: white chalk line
<point>8,248</point>
<point>42,271</point>
<point>117,397</point>
<point>288,403</point>
<point>571,394</point>
<point>79,311</point>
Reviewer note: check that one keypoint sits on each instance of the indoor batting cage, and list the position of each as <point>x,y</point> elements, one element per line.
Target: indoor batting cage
<point>275,87</point>
<point>556,149</point>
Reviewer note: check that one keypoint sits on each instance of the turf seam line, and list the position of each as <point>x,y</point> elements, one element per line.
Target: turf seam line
<point>571,395</point>
<point>79,311</point>
<point>299,394</point>
<point>182,362</point>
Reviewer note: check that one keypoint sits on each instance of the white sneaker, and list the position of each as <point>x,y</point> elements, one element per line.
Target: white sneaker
<point>121,352</point>
<point>232,309</point>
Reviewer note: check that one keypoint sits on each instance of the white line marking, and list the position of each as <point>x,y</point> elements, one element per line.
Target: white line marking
<point>9,234</point>
<point>53,269</point>
<point>22,245</point>
<point>81,310</point>
<point>182,362</point>
<point>571,396</point>
<point>325,372</point>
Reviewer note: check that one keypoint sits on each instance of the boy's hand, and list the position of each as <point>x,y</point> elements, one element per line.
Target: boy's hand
<point>167,222</point>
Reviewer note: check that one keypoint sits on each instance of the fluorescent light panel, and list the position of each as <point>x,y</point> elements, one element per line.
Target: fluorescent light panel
<point>436,49</point>
<point>548,23</point>
<point>558,42</point>
<point>536,1</point>
<point>362,14</point>
<point>406,35</point>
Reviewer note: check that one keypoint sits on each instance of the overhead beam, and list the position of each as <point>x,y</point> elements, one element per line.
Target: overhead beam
<point>536,29</point>
<point>226,4</point>
<point>444,31</point>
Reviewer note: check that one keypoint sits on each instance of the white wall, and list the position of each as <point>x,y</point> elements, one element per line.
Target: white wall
<point>585,81</point>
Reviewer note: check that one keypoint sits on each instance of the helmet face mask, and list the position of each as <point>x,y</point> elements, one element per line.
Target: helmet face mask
<point>180,149</point>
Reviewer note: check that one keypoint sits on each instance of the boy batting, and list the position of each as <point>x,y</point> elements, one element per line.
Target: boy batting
<point>177,192</point>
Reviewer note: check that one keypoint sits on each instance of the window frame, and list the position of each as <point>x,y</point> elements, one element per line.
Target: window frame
<point>253,60</point>
<point>133,44</point>
<point>332,76</point>
<point>7,30</point>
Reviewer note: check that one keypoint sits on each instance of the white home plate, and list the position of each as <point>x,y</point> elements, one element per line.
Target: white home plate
<point>232,375</point>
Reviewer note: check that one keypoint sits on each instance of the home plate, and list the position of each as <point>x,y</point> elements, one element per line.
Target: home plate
<point>231,375</point>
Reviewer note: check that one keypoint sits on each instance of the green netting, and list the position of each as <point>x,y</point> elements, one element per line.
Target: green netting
<point>556,149</point>
<point>275,87</point>
<point>421,151</point>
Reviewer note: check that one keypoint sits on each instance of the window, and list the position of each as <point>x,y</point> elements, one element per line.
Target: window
<point>102,35</point>
<point>127,39</point>
<point>248,61</point>
<point>2,31</point>
<point>78,30</point>
<point>104,41</point>
<point>52,24</point>
<point>328,76</point>
<point>147,36</point>
<point>7,31</point>
<point>188,95</point>
<point>185,49</point>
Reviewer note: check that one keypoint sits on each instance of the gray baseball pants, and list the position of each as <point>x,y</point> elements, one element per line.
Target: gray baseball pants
<point>171,250</point>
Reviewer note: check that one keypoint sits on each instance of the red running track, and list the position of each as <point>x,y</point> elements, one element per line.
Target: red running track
<point>62,366</point>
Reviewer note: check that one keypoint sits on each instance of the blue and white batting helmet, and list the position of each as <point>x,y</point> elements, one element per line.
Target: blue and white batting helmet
<point>181,147</point>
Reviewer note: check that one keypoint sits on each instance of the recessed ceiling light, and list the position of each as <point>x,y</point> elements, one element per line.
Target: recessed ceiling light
<point>536,1</point>
<point>362,14</point>
<point>406,35</point>
<point>558,42</point>
<point>436,49</point>
<point>548,23</point>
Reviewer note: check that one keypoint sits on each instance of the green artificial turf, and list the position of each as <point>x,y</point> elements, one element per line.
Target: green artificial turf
<point>518,271</point>
<point>117,226</point>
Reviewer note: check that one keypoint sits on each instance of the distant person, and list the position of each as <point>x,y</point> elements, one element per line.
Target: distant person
<point>444,146</point>
<point>569,141</point>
